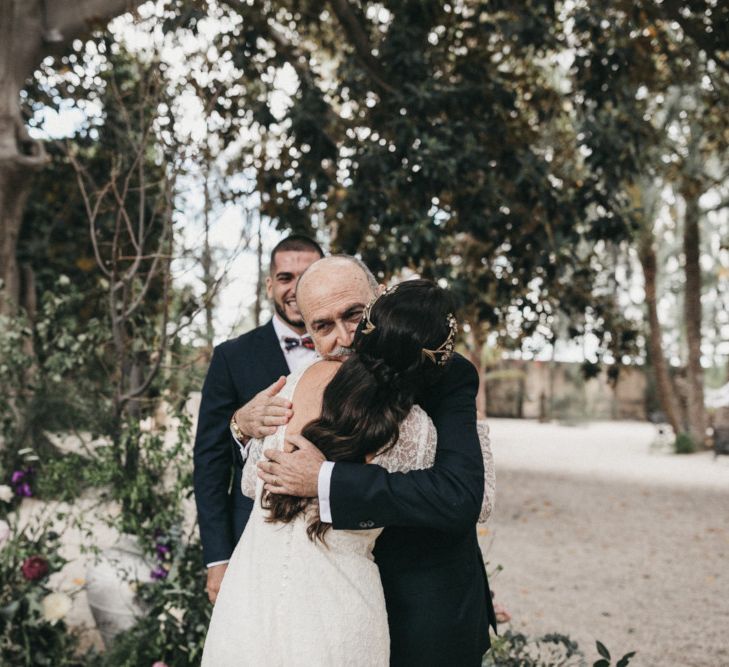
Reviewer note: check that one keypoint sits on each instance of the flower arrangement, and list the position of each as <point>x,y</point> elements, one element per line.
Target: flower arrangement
<point>32,626</point>
<point>140,469</point>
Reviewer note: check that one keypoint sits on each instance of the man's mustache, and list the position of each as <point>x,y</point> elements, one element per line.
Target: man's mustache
<point>339,352</point>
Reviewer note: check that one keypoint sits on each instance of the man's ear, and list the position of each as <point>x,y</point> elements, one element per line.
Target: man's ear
<point>380,289</point>
<point>306,326</point>
<point>269,286</point>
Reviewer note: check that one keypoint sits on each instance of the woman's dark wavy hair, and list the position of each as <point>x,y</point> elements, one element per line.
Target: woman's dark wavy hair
<point>374,389</point>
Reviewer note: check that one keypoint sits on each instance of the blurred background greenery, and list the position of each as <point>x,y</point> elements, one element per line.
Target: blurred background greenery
<point>562,166</point>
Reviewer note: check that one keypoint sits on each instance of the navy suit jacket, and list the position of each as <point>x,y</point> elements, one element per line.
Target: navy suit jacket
<point>239,369</point>
<point>433,575</point>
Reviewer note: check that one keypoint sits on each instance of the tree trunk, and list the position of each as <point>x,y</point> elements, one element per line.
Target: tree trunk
<point>26,28</point>
<point>15,185</point>
<point>664,386</point>
<point>693,315</point>
<point>207,267</point>
<point>20,156</point>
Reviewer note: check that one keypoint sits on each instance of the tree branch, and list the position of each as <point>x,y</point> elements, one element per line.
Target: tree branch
<point>673,10</point>
<point>76,20</point>
<point>164,337</point>
<point>360,42</point>
<point>151,274</point>
<point>91,211</point>
<point>121,198</point>
<point>35,156</point>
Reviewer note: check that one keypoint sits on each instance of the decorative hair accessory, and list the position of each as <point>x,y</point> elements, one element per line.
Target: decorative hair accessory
<point>445,349</point>
<point>369,326</point>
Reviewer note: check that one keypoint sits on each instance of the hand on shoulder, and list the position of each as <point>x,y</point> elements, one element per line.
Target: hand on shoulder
<point>265,412</point>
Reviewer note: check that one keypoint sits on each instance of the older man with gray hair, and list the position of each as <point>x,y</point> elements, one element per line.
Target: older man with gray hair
<point>437,594</point>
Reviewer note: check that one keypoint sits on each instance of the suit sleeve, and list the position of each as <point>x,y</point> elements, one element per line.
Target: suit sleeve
<point>445,497</point>
<point>213,461</point>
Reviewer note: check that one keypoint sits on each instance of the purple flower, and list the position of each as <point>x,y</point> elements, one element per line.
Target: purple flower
<point>21,482</point>
<point>158,573</point>
<point>162,550</point>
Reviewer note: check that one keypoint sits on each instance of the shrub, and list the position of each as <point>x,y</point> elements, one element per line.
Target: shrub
<point>513,649</point>
<point>178,613</point>
<point>32,629</point>
<point>684,444</point>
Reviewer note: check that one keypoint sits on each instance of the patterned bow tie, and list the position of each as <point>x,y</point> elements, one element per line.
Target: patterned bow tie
<point>304,341</point>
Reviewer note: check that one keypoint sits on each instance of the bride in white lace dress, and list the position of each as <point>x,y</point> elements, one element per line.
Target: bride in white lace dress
<point>295,592</point>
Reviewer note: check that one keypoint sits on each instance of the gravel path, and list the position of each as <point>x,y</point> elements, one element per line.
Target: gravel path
<point>612,541</point>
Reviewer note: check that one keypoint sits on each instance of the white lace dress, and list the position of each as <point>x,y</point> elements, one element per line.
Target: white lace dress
<point>286,601</point>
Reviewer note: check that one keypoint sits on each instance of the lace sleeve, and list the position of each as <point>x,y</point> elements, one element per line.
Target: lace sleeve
<point>489,489</point>
<point>275,441</point>
<point>415,446</point>
<point>248,481</point>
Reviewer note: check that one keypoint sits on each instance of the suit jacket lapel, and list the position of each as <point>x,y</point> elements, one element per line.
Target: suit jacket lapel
<point>270,351</point>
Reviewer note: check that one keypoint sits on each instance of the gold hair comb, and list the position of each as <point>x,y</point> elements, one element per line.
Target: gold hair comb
<point>447,346</point>
<point>369,326</point>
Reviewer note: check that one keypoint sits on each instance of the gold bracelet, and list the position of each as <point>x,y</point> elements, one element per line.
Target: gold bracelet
<point>237,433</point>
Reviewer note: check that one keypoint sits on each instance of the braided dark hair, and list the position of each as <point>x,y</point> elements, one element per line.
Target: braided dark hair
<point>375,388</point>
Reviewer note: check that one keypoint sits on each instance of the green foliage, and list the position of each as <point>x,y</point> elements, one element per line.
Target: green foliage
<point>517,650</point>
<point>151,498</point>
<point>684,444</point>
<point>443,140</point>
<point>65,476</point>
<point>95,349</point>
<point>651,91</point>
<point>69,392</point>
<point>15,364</point>
<point>514,649</point>
<point>63,372</point>
<point>60,387</point>
<point>605,660</point>
<point>176,621</point>
<point>55,238</point>
<point>29,633</point>
<point>177,608</point>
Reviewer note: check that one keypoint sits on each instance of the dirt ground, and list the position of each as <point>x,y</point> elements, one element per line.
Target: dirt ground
<point>630,547</point>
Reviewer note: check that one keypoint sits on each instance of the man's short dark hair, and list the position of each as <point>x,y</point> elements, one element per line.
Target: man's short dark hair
<point>295,243</point>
